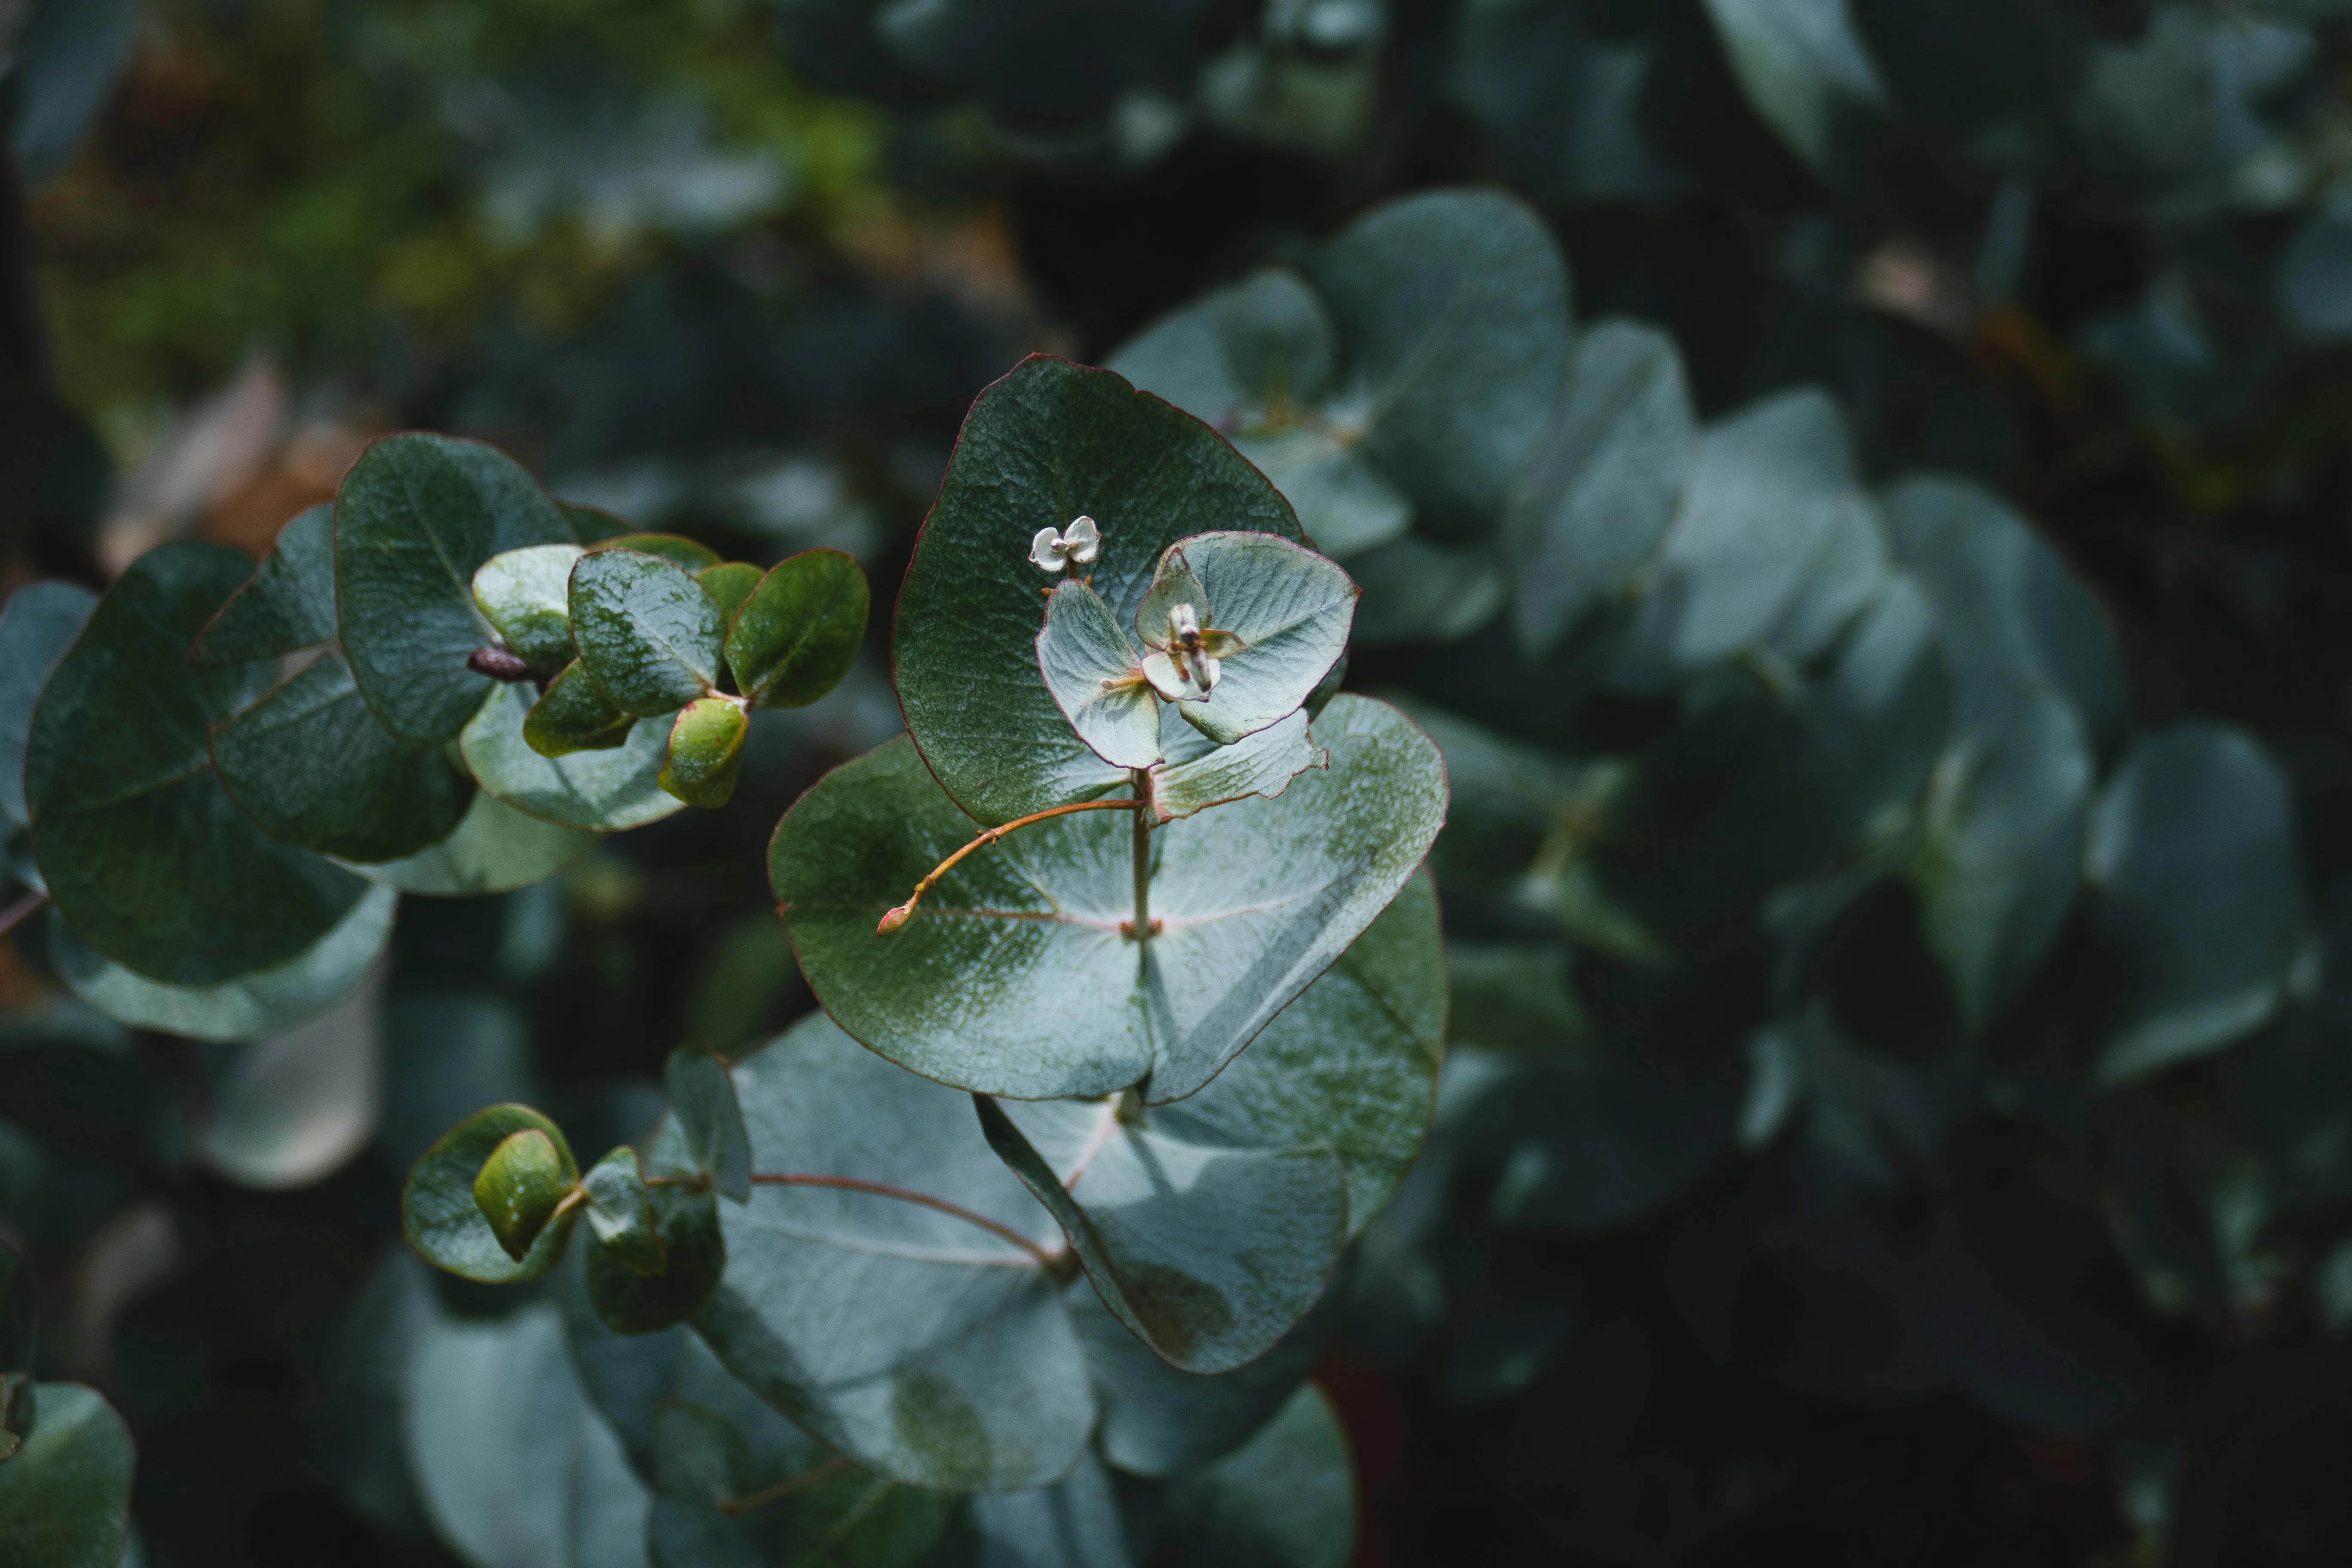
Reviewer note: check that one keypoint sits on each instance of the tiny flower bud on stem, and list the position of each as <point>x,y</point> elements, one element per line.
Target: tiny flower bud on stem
<point>898,917</point>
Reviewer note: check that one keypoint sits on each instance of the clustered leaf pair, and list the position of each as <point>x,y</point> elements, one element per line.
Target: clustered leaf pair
<point>653,623</point>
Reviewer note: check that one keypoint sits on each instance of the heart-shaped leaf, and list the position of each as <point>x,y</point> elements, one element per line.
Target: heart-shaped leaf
<point>525,595</point>
<point>495,849</point>
<point>38,623</point>
<point>1093,672</point>
<point>1049,443</point>
<point>646,630</point>
<point>65,1498</point>
<point>692,1252</point>
<point>1257,899</point>
<point>445,1225</point>
<point>417,516</point>
<point>141,847</point>
<point>289,604</point>
<point>729,585</point>
<point>311,767</point>
<point>798,632</point>
<point>705,751</point>
<point>603,791</point>
<point>710,1120</point>
<point>1288,609</point>
<point>247,1007</point>
<point>575,715</point>
<point>1262,764</point>
<point>924,1345</point>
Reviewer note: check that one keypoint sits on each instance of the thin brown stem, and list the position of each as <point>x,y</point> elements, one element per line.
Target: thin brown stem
<point>907,1196</point>
<point>906,912</point>
<point>21,910</point>
<point>786,1487</point>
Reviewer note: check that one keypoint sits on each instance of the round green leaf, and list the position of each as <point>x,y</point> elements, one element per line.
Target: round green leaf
<point>688,556</point>
<point>1346,505</point>
<point>310,765</point>
<point>289,603</point>
<point>728,584</point>
<point>575,715</point>
<point>244,1008</point>
<point>1453,312</point>
<point>1257,899</point>
<point>692,1250</point>
<point>799,631</point>
<point>495,849</point>
<point>709,1121</point>
<point>525,595</point>
<point>620,1214</point>
<point>1289,606</point>
<point>65,1498</point>
<point>1093,672</point>
<point>519,1187</point>
<point>38,623</point>
<point>705,751</point>
<point>603,791</point>
<point>140,845</point>
<point>648,633</point>
<point>1241,357</point>
<point>1050,442</point>
<point>922,1345</point>
<point>445,1225</point>
<point>417,516</point>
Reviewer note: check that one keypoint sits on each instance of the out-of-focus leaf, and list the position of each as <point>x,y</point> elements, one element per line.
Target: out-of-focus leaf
<point>1049,443</point>
<point>1804,71</point>
<point>1416,592</point>
<point>1283,1500</point>
<point>142,848</point>
<point>442,1218</point>
<point>799,629</point>
<point>705,751</point>
<point>1074,1012</point>
<point>923,1345</point>
<point>646,630</point>
<point>288,604</point>
<point>525,595</point>
<point>311,767</point>
<point>1604,482</point>
<point>2313,279</point>
<point>2193,857</point>
<point>247,1008</point>
<point>65,1498</point>
<point>295,1105</point>
<point>604,790</point>
<point>446,1056</point>
<point>494,849</point>
<point>67,58</point>
<point>417,516</point>
<point>40,621</point>
<point>710,1120</point>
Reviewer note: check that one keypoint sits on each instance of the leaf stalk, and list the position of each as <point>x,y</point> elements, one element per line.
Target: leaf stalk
<point>898,917</point>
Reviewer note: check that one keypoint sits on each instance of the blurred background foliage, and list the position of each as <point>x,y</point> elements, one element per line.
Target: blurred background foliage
<point>1901,1099</point>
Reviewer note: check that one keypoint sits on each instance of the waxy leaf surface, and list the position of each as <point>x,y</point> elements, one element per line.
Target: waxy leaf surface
<point>603,791</point>
<point>1291,609</point>
<point>691,1250</point>
<point>575,715</point>
<point>495,849</point>
<point>646,630</point>
<point>443,1222</point>
<point>799,630</point>
<point>288,604</point>
<point>525,595</point>
<point>705,751</point>
<point>1013,977</point>
<point>1090,667</point>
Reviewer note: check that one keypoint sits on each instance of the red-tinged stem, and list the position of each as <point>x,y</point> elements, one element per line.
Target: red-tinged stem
<point>906,912</point>
<point>880,1190</point>
<point>785,1489</point>
<point>21,910</point>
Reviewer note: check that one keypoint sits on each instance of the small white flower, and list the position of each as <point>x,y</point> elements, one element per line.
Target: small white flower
<point>1183,665</point>
<point>1053,549</point>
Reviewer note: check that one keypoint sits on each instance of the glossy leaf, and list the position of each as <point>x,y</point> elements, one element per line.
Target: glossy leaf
<point>519,1187</point>
<point>690,556</point>
<point>417,516</point>
<point>705,751</point>
<point>311,767</point>
<point>525,595</point>
<point>575,715</point>
<point>1262,764</point>
<point>603,791</point>
<point>1452,308</point>
<point>620,1216</point>
<point>288,604</point>
<point>1283,1500</point>
<point>923,1345</point>
<point>2192,857</point>
<point>693,1250</point>
<point>442,1219</point>
<point>40,621</point>
<point>1257,899</point>
<point>648,633</point>
<point>1289,607</point>
<point>799,631</point>
<point>140,845</point>
<point>710,1120</point>
<point>728,584</point>
<point>1603,486</point>
<point>494,849</point>
<point>1092,670</point>
<point>65,1498</point>
<point>255,1003</point>
<point>1047,443</point>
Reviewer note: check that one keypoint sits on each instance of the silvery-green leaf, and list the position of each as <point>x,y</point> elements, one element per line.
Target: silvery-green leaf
<point>1604,483</point>
<point>1283,1500</point>
<point>495,849</point>
<point>1047,443</point>
<point>251,1005</point>
<point>1234,356</point>
<point>1090,666</point>
<point>1290,607</point>
<point>1074,1523</point>
<point>65,1497</point>
<point>923,1345</point>
<point>1804,71</point>
<point>691,1256</point>
<point>620,1215</point>
<point>1344,504</point>
<point>296,1104</point>
<point>1416,592</point>
<point>646,630</point>
<point>1260,764</point>
<point>2193,857</point>
<point>289,603</point>
<point>525,594</point>
<point>710,1120</point>
<point>38,623</point>
<point>600,790</point>
<point>1256,900</point>
<point>799,629</point>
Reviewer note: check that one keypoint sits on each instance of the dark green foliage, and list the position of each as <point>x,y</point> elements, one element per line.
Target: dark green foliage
<point>443,1212</point>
